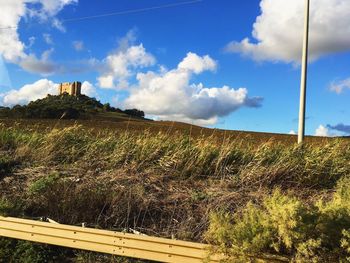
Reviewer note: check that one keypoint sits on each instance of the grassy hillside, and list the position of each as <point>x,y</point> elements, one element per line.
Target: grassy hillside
<point>214,187</point>
<point>68,107</point>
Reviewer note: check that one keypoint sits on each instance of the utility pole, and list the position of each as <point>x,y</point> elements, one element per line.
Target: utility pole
<point>301,132</point>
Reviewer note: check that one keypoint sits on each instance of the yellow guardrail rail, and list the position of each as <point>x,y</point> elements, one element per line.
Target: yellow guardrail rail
<point>111,242</point>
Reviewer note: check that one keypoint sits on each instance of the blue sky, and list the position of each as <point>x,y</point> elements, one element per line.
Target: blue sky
<point>188,62</point>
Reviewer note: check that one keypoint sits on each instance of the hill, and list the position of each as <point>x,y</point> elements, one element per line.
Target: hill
<point>67,107</point>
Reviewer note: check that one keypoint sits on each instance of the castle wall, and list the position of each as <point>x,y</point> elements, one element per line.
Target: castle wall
<point>73,89</point>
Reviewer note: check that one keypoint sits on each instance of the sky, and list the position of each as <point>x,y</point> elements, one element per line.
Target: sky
<point>217,63</point>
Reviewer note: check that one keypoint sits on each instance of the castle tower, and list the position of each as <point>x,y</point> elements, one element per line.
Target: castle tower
<point>77,88</point>
<point>73,89</point>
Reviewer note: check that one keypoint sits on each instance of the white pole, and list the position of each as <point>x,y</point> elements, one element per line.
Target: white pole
<point>301,132</point>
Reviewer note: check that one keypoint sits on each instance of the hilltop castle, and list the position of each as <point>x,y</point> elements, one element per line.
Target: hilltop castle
<point>71,88</point>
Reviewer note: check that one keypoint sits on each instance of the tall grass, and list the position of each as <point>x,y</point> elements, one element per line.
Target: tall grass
<point>169,185</point>
<point>249,165</point>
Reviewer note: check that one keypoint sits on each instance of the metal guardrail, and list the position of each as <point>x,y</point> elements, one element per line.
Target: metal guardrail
<point>115,243</point>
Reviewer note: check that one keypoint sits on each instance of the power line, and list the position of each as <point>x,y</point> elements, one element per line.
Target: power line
<point>133,11</point>
<point>126,12</point>
<point>10,27</point>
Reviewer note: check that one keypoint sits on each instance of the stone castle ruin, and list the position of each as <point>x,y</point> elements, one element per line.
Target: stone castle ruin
<point>71,88</point>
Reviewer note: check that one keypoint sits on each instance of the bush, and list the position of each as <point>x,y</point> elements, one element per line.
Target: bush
<point>44,184</point>
<point>275,227</point>
<point>11,207</point>
<point>284,226</point>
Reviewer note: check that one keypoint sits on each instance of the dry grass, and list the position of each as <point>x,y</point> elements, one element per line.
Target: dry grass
<point>158,182</point>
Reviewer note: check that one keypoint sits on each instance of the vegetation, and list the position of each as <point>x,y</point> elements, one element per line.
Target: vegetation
<point>63,107</point>
<point>284,225</point>
<point>246,198</point>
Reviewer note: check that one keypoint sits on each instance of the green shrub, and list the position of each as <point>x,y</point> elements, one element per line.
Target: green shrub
<point>44,184</point>
<point>275,227</point>
<point>284,226</point>
<point>9,207</point>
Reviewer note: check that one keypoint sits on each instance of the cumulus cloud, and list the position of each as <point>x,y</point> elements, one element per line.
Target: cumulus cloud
<point>292,132</point>
<point>51,7</point>
<point>339,86</point>
<point>277,32</point>
<point>322,131</point>
<point>122,63</point>
<point>30,92</point>
<point>11,47</point>
<point>106,81</point>
<point>168,94</point>
<point>88,89</point>
<point>197,64</point>
<point>340,128</point>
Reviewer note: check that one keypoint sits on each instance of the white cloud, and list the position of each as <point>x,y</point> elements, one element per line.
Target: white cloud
<point>88,89</point>
<point>12,11</point>
<point>197,64</point>
<point>339,86</point>
<point>277,32</point>
<point>11,48</point>
<point>292,132</point>
<point>47,38</point>
<point>78,45</point>
<point>106,81</point>
<point>58,25</point>
<point>52,7</point>
<point>170,95</point>
<point>322,131</point>
<point>30,92</point>
<point>121,64</point>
